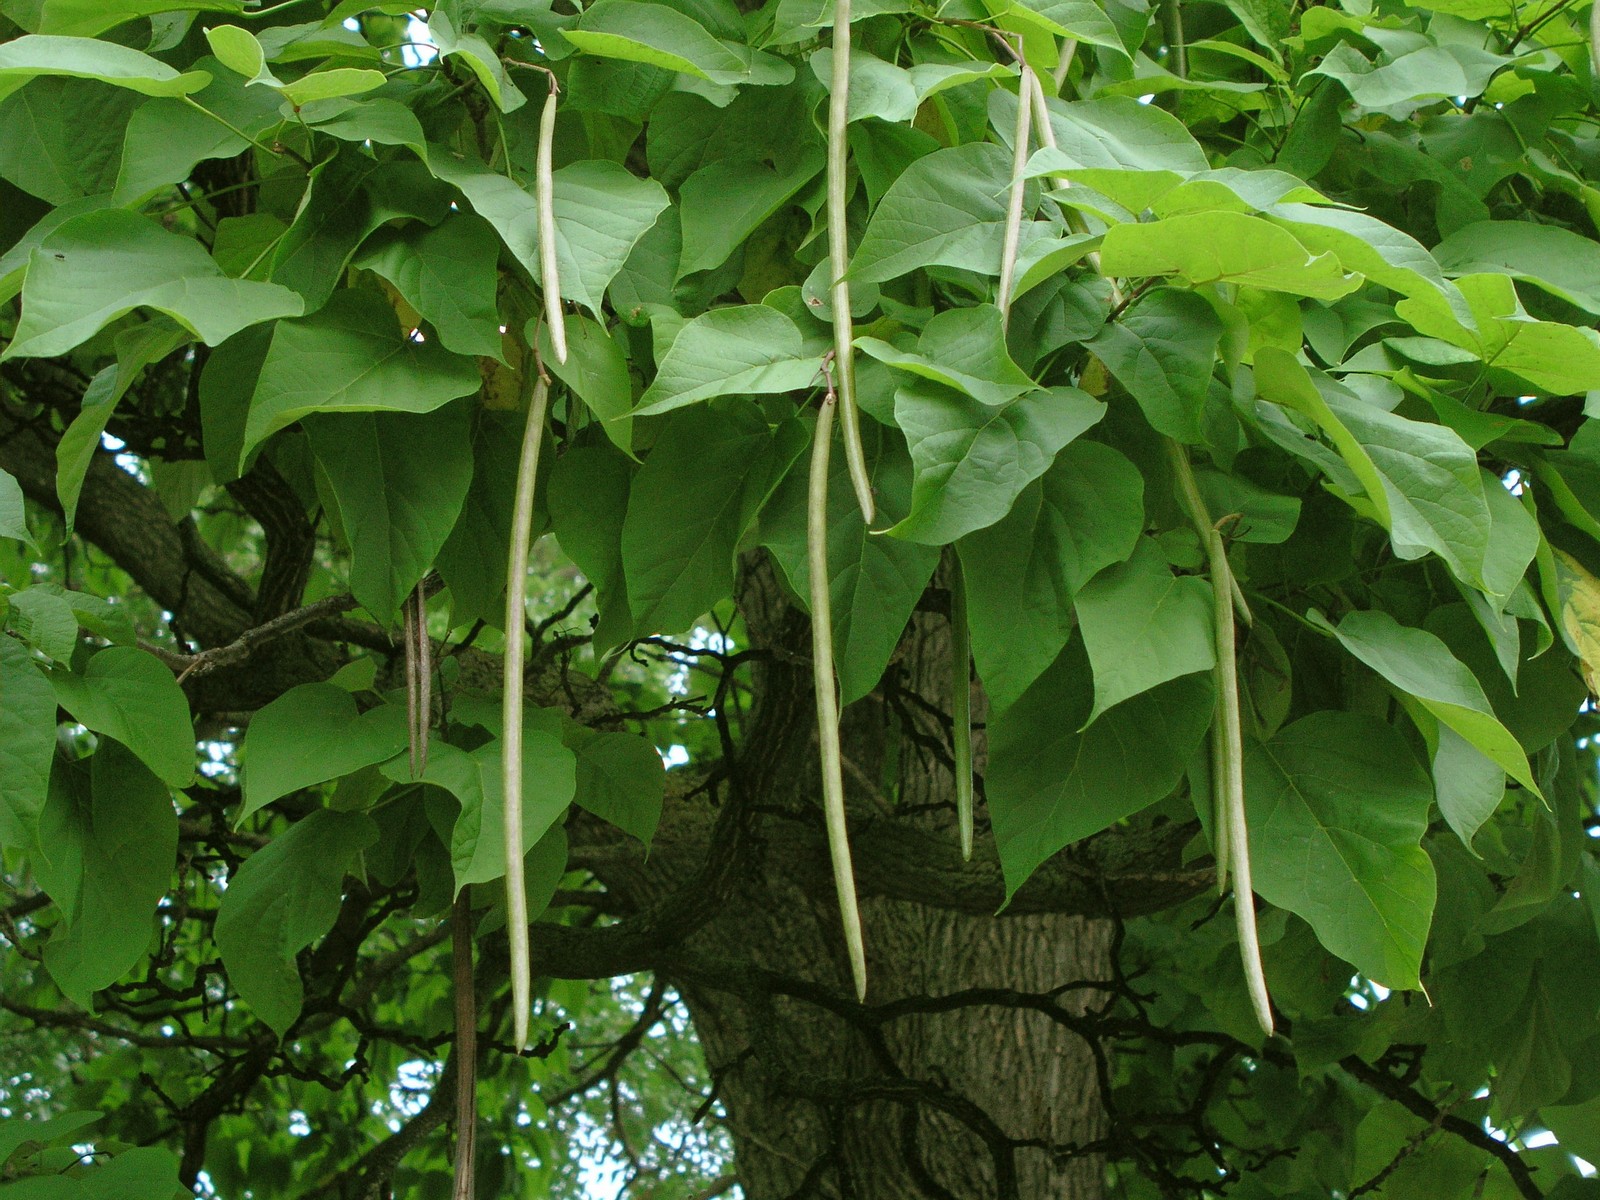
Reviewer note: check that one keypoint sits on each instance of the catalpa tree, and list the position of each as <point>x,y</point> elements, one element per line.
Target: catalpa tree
<point>964,598</point>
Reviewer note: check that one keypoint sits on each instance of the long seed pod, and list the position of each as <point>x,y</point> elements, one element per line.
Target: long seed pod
<point>544,199</point>
<point>421,650</point>
<point>511,730</point>
<point>414,733</point>
<point>1019,164</point>
<point>961,703</point>
<point>844,879</point>
<point>466,1049</point>
<point>1194,504</point>
<point>1069,51</point>
<point>1244,900</point>
<point>839,262</point>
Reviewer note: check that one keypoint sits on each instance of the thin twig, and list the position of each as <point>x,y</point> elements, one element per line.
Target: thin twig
<point>240,649</point>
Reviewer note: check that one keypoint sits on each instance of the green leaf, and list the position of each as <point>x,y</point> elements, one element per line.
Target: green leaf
<point>972,460</point>
<point>874,582</point>
<point>620,778</point>
<point>962,348</point>
<point>890,93</point>
<point>597,372</point>
<point>32,55</point>
<point>1468,784</point>
<point>137,348</point>
<point>588,499</point>
<point>1224,247</point>
<point>1022,573</point>
<point>311,734</point>
<point>1337,808</point>
<point>723,202</point>
<point>601,213</point>
<point>27,744</point>
<point>448,274</point>
<point>284,897</point>
<point>476,779</point>
<point>65,138</point>
<point>947,209</point>
<point>399,481</point>
<point>13,513</point>
<point>43,618</point>
<point>99,266</point>
<point>1420,665</point>
<point>130,695</point>
<point>1421,478</point>
<point>707,474</point>
<point>1423,74</point>
<point>1053,781</point>
<point>1142,625</point>
<point>108,841</point>
<point>1163,351</point>
<point>473,558</point>
<point>351,357</point>
<point>747,349</point>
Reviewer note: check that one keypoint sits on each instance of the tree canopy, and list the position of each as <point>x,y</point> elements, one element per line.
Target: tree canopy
<point>1175,417</point>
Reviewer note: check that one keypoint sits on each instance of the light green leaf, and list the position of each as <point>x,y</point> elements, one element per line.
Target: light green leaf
<point>476,779</point>
<point>330,84</point>
<point>1547,355</point>
<point>1116,132</point>
<point>480,58</point>
<point>620,778</point>
<point>1411,79</point>
<point>874,582</point>
<point>746,349</point>
<point>1337,808</point>
<point>962,348</point>
<point>972,460</point>
<point>1468,784</point>
<point>99,266</point>
<point>947,209</point>
<point>129,695</point>
<point>602,210</point>
<point>1022,573</point>
<point>1163,352</point>
<point>351,357</point>
<point>1081,20</point>
<point>27,744</point>
<point>1420,665</point>
<point>657,35</point>
<point>238,50</point>
<point>690,504</point>
<point>448,274</point>
<point>1224,247</point>
<point>399,481</point>
<point>1142,625</point>
<point>890,93</point>
<point>311,734</point>
<point>108,841</point>
<point>1563,263</point>
<point>13,513</point>
<point>284,897</point>
<point>85,18</point>
<point>1051,781</point>
<point>32,55</point>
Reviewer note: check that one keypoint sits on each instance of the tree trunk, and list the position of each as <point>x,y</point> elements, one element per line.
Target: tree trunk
<point>955,1078</point>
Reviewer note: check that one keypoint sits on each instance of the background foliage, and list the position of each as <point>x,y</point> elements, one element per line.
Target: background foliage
<point>1338,261</point>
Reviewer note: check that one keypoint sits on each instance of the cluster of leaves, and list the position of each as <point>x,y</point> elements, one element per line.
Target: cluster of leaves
<point>1341,257</point>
